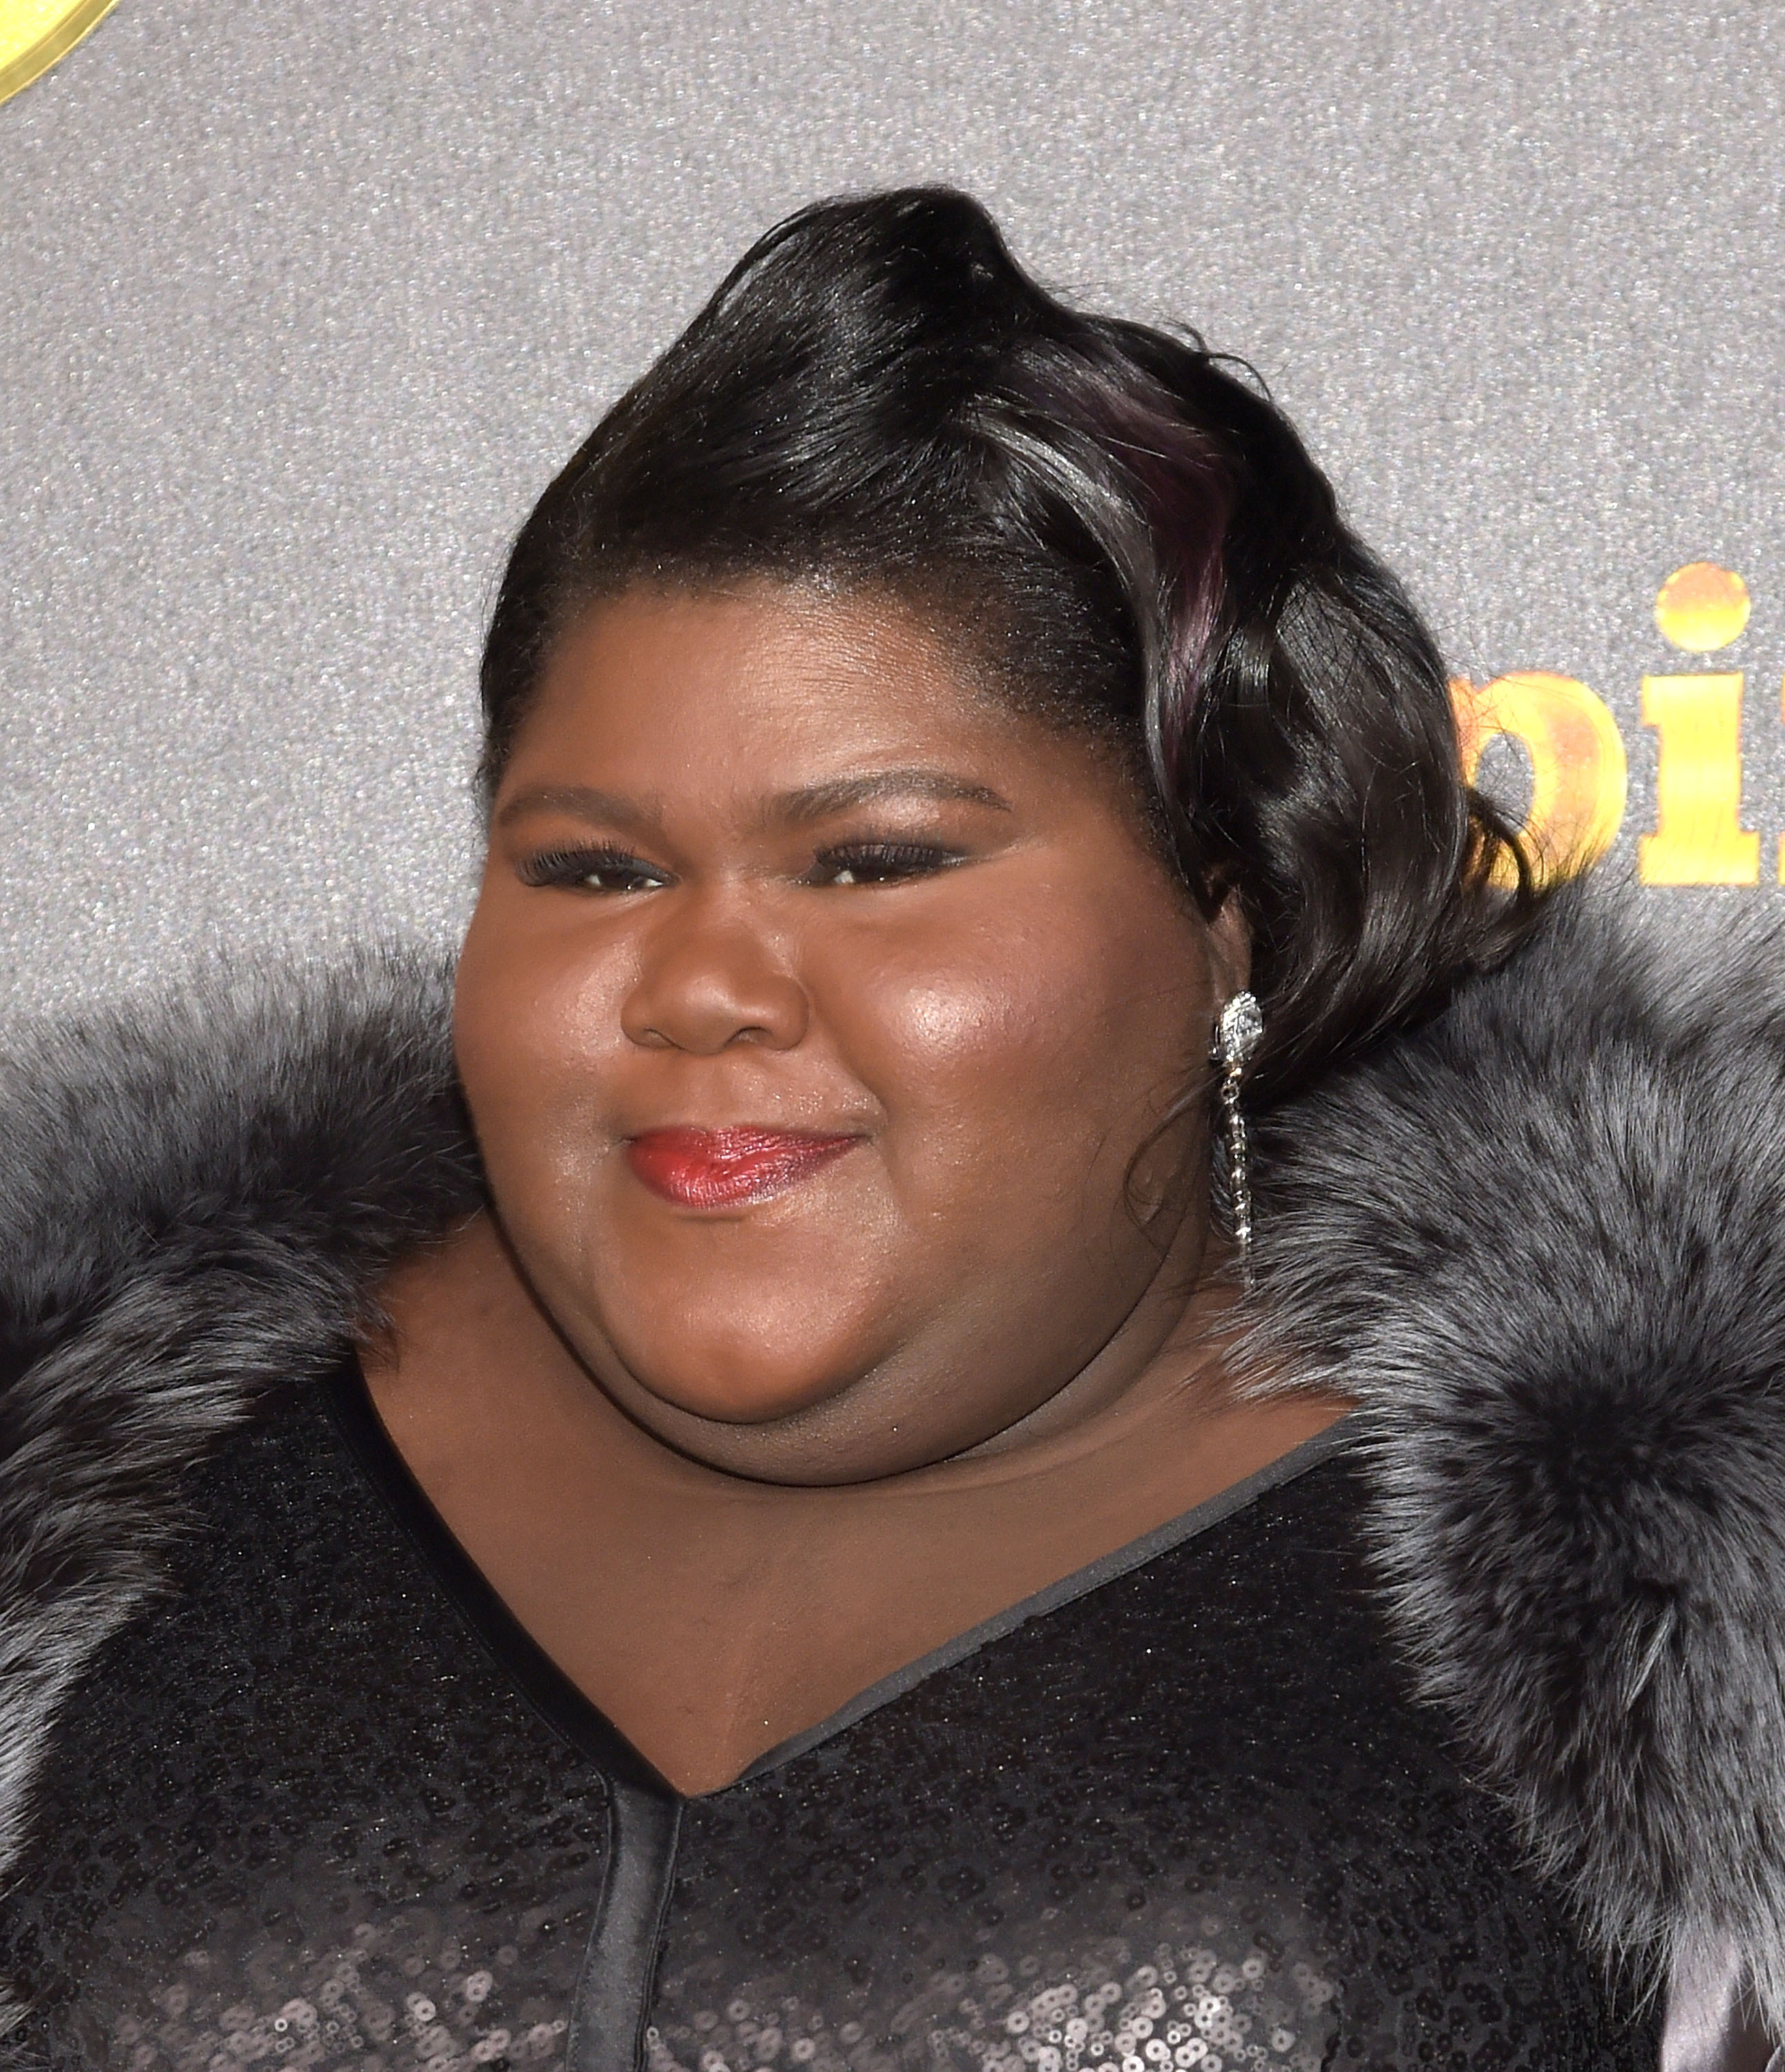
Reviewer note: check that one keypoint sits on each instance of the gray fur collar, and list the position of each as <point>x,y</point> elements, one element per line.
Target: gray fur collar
<point>1543,1239</point>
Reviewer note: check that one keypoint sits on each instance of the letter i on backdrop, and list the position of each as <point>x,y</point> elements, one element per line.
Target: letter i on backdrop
<point>1699,838</point>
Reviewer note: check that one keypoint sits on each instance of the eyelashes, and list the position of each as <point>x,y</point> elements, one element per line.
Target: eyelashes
<point>848,864</point>
<point>592,870</point>
<point>880,863</point>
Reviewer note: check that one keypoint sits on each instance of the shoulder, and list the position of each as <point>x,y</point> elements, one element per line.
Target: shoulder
<point>194,1195</point>
<point>1543,1241</point>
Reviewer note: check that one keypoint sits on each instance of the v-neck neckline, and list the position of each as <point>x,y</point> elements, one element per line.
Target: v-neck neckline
<point>582,1722</point>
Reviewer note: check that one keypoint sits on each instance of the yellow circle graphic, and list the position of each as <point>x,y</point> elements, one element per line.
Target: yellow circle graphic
<point>34,33</point>
<point>1702,606</point>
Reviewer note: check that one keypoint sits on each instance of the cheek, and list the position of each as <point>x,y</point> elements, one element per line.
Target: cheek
<point>1027,1062</point>
<point>532,1017</point>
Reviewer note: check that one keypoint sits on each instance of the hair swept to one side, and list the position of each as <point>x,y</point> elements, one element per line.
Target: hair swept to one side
<point>1121,522</point>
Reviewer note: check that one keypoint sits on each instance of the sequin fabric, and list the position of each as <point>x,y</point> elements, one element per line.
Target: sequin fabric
<point>1189,1820</point>
<point>301,1815</point>
<point>298,1816</point>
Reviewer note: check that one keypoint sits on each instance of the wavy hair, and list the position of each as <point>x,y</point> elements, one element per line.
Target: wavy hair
<point>1123,528</point>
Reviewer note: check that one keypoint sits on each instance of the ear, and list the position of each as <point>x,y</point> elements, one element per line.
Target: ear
<point>1230,946</point>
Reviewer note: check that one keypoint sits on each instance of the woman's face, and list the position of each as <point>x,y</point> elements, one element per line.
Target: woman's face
<point>817,1018</point>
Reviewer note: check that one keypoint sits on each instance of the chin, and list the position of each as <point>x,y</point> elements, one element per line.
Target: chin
<point>740,1325</point>
<point>733,1368</point>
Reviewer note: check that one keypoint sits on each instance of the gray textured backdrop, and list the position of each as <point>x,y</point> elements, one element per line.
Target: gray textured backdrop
<point>299,307</point>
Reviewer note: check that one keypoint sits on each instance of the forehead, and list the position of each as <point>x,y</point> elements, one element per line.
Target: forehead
<point>760,671</point>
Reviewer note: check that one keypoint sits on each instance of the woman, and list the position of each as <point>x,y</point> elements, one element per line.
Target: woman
<point>797,1550</point>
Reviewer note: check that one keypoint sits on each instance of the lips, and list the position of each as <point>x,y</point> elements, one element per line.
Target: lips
<point>716,1169</point>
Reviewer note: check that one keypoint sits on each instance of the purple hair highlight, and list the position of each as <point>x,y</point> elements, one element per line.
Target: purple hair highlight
<point>1154,493</point>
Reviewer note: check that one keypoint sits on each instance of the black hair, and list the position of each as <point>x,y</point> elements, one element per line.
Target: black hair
<point>1121,523</point>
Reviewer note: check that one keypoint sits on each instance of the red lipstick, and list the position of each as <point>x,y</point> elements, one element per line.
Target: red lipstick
<point>713,1169</point>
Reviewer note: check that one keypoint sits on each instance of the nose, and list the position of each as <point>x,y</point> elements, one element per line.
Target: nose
<point>706,981</point>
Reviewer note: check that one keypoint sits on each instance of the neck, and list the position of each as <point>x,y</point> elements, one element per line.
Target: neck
<point>712,1615</point>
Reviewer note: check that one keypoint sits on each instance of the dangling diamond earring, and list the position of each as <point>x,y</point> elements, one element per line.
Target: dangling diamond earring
<point>1236,1035</point>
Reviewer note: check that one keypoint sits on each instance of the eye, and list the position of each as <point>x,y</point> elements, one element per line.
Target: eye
<point>880,863</point>
<point>592,870</point>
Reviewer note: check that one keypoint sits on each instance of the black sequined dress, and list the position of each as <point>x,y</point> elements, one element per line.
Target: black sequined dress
<point>327,1805</point>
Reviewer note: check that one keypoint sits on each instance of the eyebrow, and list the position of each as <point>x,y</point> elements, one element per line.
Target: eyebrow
<point>582,800</point>
<point>796,808</point>
<point>818,802</point>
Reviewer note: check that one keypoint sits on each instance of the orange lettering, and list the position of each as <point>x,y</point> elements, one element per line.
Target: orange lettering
<point>1579,773</point>
<point>1699,838</point>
